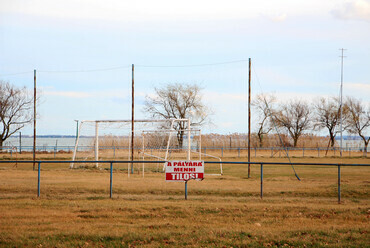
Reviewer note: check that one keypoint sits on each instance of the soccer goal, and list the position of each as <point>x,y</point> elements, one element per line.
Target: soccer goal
<point>156,140</point>
<point>111,139</point>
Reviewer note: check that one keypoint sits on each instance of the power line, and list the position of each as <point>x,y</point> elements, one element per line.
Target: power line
<point>126,67</point>
<point>15,73</point>
<point>194,65</point>
<point>88,70</point>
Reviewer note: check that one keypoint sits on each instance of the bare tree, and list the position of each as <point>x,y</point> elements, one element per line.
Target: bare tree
<point>358,120</point>
<point>327,115</point>
<point>179,101</point>
<point>263,105</point>
<point>293,117</point>
<point>15,109</point>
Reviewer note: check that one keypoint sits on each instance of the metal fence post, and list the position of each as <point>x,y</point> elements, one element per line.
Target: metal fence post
<point>111,179</point>
<point>186,190</point>
<point>339,184</point>
<point>261,181</point>
<point>38,179</point>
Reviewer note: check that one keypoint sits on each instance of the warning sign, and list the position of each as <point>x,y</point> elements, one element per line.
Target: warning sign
<point>180,171</point>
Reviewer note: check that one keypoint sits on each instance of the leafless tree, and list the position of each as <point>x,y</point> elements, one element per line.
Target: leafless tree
<point>294,118</point>
<point>179,101</point>
<point>358,120</point>
<point>15,109</point>
<point>263,105</point>
<point>327,115</point>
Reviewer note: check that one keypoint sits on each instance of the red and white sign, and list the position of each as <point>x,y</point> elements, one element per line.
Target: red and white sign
<point>180,171</point>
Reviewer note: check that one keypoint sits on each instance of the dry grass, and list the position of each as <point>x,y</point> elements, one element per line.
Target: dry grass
<point>224,154</point>
<point>75,210</point>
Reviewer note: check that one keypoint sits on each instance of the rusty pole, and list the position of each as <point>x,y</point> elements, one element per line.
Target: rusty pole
<point>249,119</point>
<point>132,119</point>
<point>34,118</point>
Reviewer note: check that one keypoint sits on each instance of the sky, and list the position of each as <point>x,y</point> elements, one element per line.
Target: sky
<point>82,51</point>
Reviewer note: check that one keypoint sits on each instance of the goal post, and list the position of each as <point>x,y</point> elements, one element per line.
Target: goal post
<point>95,132</point>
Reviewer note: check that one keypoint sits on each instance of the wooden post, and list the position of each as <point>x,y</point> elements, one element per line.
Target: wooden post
<point>34,119</point>
<point>249,119</point>
<point>132,119</point>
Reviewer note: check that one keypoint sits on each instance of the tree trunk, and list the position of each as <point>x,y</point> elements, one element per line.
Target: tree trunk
<point>365,148</point>
<point>260,137</point>
<point>295,140</point>
<point>180,138</point>
<point>332,140</point>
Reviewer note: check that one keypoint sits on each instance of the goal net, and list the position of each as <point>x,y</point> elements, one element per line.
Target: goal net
<point>152,140</point>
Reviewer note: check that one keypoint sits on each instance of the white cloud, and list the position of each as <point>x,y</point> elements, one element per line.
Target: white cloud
<point>279,18</point>
<point>354,10</point>
<point>143,10</point>
<point>358,90</point>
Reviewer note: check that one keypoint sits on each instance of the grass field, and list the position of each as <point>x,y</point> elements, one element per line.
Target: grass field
<point>75,210</point>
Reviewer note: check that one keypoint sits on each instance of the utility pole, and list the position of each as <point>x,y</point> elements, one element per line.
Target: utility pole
<point>249,119</point>
<point>132,118</point>
<point>341,101</point>
<point>34,119</point>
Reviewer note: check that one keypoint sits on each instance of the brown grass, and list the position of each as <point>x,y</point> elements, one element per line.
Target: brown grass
<point>74,209</point>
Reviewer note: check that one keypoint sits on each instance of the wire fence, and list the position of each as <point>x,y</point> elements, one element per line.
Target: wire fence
<point>223,152</point>
<point>111,163</point>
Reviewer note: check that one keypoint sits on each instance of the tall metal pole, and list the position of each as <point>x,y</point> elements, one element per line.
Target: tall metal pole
<point>249,119</point>
<point>132,119</point>
<point>341,102</point>
<point>34,118</point>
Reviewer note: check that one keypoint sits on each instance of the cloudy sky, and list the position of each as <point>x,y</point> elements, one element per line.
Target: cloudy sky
<point>83,51</point>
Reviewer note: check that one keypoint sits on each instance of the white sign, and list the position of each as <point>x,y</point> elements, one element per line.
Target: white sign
<point>180,171</point>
